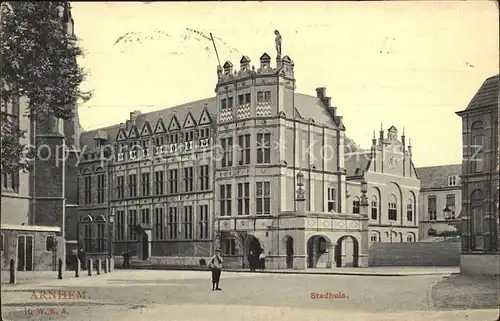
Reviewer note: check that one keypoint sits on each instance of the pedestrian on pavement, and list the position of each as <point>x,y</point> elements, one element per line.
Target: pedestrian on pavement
<point>262,260</point>
<point>215,264</point>
<point>126,259</point>
<point>251,261</point>
<point>82,258</point>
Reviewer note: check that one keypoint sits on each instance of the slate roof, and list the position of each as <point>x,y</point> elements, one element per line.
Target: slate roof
<point>487,95</point>
<point>357,163</point>
<point>437,176</point>
<point>306,107</point>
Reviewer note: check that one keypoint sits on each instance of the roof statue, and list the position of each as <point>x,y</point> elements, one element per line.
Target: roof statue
<point>278,42</point>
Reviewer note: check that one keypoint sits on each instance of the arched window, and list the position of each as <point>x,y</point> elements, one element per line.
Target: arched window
<point>355,205</point>
<point>101,244</point>
<point>375,237</point>
<point>476,154</point>
<point>477,219</point>
<point>393,208</point>
<point>87,234</point>
<point>374,208</point>
<point>410,238</point>
<point>409,210</point>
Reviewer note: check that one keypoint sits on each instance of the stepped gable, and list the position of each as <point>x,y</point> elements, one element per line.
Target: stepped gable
<point>181,111</point>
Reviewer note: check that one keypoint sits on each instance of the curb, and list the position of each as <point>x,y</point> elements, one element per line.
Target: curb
<point>171,268</point>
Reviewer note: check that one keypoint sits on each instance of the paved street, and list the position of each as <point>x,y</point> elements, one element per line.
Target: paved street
<point>187,295</point>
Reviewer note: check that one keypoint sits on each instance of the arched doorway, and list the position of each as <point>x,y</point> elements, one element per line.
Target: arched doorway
<point>317,251</point>
<point>354,249</point>
<point>253,247</point>
<point>145,246</point>
<point>289,252</point>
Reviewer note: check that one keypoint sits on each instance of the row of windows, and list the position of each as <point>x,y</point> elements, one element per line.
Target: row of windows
<point>395,237</point>
<point>50,242</point>
<point>188,180</point>
<point>262,199</point>
<point>176,223</point>
<point>432,206</point>
<point>263,150</point>
<point>10,181</point>
<point>262,96</point>
<point>88,188</point>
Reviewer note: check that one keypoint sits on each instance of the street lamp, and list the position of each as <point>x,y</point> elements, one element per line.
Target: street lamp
<point>364,186</point>
<point>300,190</point>
<point>300,179</point>
<point>111,224</point>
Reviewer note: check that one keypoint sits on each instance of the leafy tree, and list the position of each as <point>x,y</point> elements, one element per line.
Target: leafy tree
<point>38,60</point>
<point>350,146</point>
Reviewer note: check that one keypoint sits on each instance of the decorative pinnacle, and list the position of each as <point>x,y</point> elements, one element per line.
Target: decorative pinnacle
<point>374,134</point>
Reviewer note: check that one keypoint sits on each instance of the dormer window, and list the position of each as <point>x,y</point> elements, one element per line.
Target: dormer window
<point>452,180</point>
<point>204,132</point>
<point>145,143</point>
<point>174,138</point>
<point>98,143</point>
<point>189,136</point>
<point>159,141</point>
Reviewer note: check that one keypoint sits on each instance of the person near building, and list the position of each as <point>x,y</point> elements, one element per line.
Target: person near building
<point>215,265</point>
<point>262,260</point>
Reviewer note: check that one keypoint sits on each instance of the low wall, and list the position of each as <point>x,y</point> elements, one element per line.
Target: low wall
<point>415,254</point>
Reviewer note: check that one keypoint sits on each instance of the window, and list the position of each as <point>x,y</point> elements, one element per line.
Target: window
<point>145,184</point>
<point>204,178</point>
<point>244,144</point>
<point>189,136</point>
<point>10,181</point>
<point>172,223</point>
<point>132,222</point>
<point>410,238</point>
<point>188,222</point>
<point>229,246</point>
<point>87,236</point>
<point>260,96</point>
<point>374,238</point>
<point>477,147</point>
<point>227,149</point>
<point>145,218</point>
<point>225,200</point>
<point>432,207</point>
<point>101,183</point>
<point>1,242</point>
<point>450,203</point>
<point>452,180</point>
<point>158,183</point>
<point>101,238</point>
<point>393,212</point>
<point>263,198</point>
<point>223,103</point>
<point>120,225</point>
<point>120,187</point>
<point>203,222</point>
<point>247,98</point>
<point>188,179</point>
<point>374,208</point>
<point>263,148</point>
<point>409,211</point>
<point>478,219</point>
<point>173,138</point>
<point>172,181</point>
<point>50,242</point>
<point>88,189</point>
<point>230,102</point>
<point>332,199</point>
<point>158,223</point>
<point>97,143</point>
<point>204,133</point>
<point>132,185</point>
<point>159,141</point>
<point>241,99</point>
<point>355,205</point>
<point>267,96</point>
<point>243,198</point>
<point>145,143</point>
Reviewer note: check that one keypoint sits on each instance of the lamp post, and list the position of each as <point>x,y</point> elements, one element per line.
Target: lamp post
<point>111,225</point>
<point>447,215</point>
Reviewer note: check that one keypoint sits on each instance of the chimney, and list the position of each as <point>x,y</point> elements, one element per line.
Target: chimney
<point>320,92</point>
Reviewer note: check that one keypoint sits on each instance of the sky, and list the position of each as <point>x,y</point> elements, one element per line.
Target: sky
<point>408,64</point>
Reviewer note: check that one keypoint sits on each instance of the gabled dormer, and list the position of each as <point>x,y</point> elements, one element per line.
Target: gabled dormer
<point>133,132</point>
<point>122,135</point>
<point>100,138</point>
<point>265,61</point>
<point>146,129</point>
<point>228,68</point>
<point>189,122</point>
<point>245,64</point>
<point>174,124</point>
<point>392,133</point>
<point>205,118</point>
<point>160,127</point>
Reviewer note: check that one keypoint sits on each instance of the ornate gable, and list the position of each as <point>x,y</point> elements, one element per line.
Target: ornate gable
<point>121,136</point>
<point>174,124</point>
<point>134,132</point>
<point>160,126</point>
<point>189,121</point>
<point>205,118</point>
<point>146,129</point>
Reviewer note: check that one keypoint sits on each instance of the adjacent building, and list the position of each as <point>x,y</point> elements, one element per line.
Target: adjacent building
<point>480,181</point>
<point>393,187</point>
<point>258,168</point>
<point>39,206</point>
<point>440,200</point>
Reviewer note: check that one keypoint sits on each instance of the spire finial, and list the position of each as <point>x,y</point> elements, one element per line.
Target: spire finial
<point>403,131</point>
<point>381,127</point>
<point>374,134</point>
